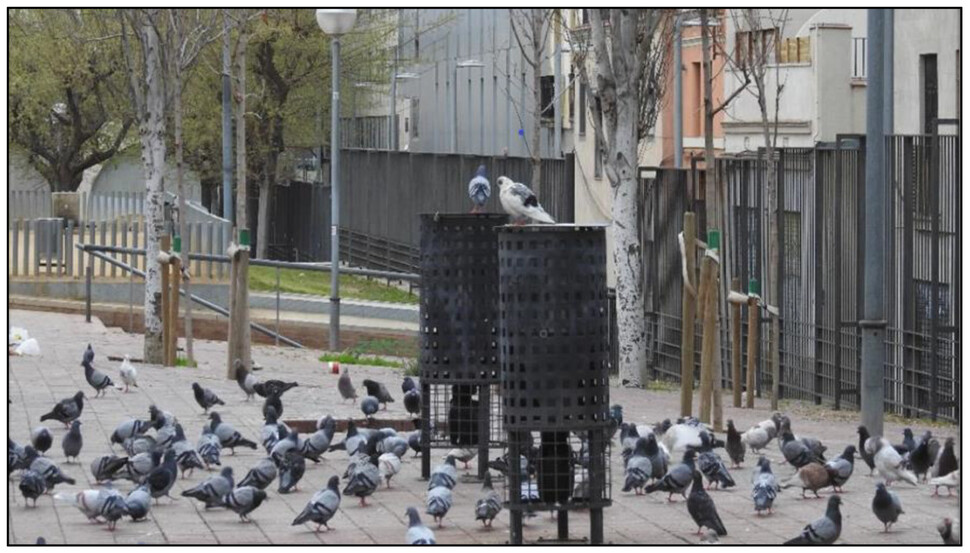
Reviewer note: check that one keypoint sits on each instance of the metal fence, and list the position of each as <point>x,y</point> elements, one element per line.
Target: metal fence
<point>820,273</point>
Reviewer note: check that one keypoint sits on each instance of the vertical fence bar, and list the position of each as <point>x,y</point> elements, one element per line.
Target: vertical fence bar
<point>124,239</point>
<point>114,242</point>
<point>934,185</point>
<point>69,250</point>
<point>48,234</point>
<point>197,246</point>
<point>36,250</point>
<point>277,306</point>
<point>819,299</point>
<point>92,228</point>
<point>15,249</point>
<point>134,242</point>
<point>87,289</point>
<point>210,240</point>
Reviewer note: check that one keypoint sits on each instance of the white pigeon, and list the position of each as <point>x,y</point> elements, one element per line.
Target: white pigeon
<point>520,202</point>
<point>388,464</point>
<point>679,436</point>
<point>88,502</point>
<point>888,461</point>
<point>756,437</point>
<point>950,481</point>
<point>463,454</point>
<point>128,373</point>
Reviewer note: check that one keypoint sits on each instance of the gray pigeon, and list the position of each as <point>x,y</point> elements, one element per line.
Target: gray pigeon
<point>244,500</point>
<point>139,466</point>
<point>16,456</point>
<point>322,506</point>
<point>393,444</point>
<point>369,406</point>
<point>32,485</point>
<point>186,456</point>
<point>489,505</point>
<point>702,510</point>
<point>479,191</point>
<point>796,452</point>
<point>245,379</point>
<point>638,468</point>
<point>97,379</point>
<point>418,533</point>
<point>346,387</point>
<point>840,468</point>
<point>444,474</point>
<point>439,503</point>
<point>104,468</point>
<point>713,468</point>
<point>677,478</point>
<point>128,429</point>
<point>139,444</point>
<point>211,490</point>
<point>41,439</point>
<point>269,434</point>
<point>658,459</point>
<point>407,385</point>
<point>288,440</point>
<point>261,475</point>
<point>72,441</point>
<point>764,486</point>
<point>205,397</point>
<point>161,479</point>
<point>364,482</point>
<point>165,436</point>
<point>823,530</point>
<point>228,436</point>
<point>316,444</point>
<point>209,447</point>
<point>412,401</point>
<point>379,391</point>
<point>45,467</point>
<point>113,508</point>
<point>414,442</point>
<point>66,410</point>
<point>886,506</point>
<point>139,502</point>
<point>291,471</point>
<point>734,445</point>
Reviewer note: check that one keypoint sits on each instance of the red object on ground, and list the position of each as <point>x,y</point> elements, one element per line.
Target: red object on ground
<point>334,367</point>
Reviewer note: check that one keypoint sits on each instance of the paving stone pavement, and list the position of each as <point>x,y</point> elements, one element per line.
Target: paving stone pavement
<point>36,383</point>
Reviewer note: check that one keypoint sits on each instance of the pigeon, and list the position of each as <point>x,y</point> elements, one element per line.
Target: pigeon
<point>211,490</point>
<point>97,379</point>
<point>734,445</point>
<point>412,401</point>
<point>888,461</point>
<point>261,475</point>
<point>322,506</point>
<point>45,467</point>
<point>273,388</point>
<point>139,466</point>
<point>408,384</point>
<point>346,387</point>
<point>89,502</point>
<point>104,468</point>
<point>209,447</point>
<point>945,528</point>
<point>72,441</point>
<point>920,458</point>
<point>702,510</point>
<point>886,506</point>
<point>711,465</point>
<point>369,406</point>
<point>128,429</point>
<point>520,202</point>
<point>823,530</point>
<point>363,482</point>
<point>479,190</point>
<point>228,436</point>
<point>269,434</point>
<point>160,418</point>
<point>245,379</point>
<point>950,481</point>
<point>16,456</point>
<point>273,402</point>
<point>863,452</point>
<point>138,444</point>
<point>679,437</point>
<point>908,441</point>
<point>463,454</point>
<point>463,416</point>
<point>658,458</point>
<point>205,397</point>
<point>128,373</point>
<point>756,438</point>
<point>393,444</point>
<point>66,410</point>
<point>353,439</point>
<point>796,452</point>
<point>439,503</point>
<point>32,485</point>
<point>677,478</point>
<point>288,441</point>
<point>244,500</point>
<point>489,504</point>
<point>814,445</point>
<point>813,476</point>
<point>113,508</point>
<point>388,464</point>
<point>41,439</point>
<point>316,444</point>
<point>638,469</point>
<point>379,391</point>
<point>161,479</point>
<point>414,442</point>
<point>444,474</point>
<point>186,456</point>
<point>418,533</point>
<point>291,468</point>
<point>840,468</point>
<point>139,502</point>
<point>946,462</point>
<point>764,487</point>
<point>88,355</point>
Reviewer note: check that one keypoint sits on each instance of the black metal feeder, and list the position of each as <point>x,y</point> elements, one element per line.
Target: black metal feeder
<point>459,357</point>
<point>554,338</point>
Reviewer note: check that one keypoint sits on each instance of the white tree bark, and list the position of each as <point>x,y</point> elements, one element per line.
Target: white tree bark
<point>240,94</point>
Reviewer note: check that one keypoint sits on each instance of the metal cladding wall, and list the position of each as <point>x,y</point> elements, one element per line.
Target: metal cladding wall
<point>554,326</point>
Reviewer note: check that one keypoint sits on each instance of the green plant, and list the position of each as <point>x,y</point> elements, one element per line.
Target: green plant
<point>349,358</point>
<point>184,362</point>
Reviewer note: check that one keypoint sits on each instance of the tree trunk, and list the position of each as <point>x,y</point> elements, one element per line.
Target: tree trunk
<point>152,135</point>
<point>183,209</point>
<point>240,93</point>
<point>262,221</point>
<point>535,148</point>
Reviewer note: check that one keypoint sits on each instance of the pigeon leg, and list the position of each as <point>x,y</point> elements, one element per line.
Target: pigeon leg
<point>816,494</point>
<point>670,497</point>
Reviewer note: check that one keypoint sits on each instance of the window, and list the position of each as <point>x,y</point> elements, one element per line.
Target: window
<point>582,109</point>
<point>598,147</point>
<point>930,94</point>
<point>761,44</point>
<point>415,117</point>
<point>547,86</point>
<point>572,98</point>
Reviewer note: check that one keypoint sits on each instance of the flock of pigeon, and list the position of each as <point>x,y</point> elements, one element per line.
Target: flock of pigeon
<point>647,452</point>
<point>154,462</point>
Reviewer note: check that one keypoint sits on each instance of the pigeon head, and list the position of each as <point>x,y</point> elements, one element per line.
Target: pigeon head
<point>833,506</point>
<point>665,425</point>
<point>214,417</point>
<point>196,387</point>
<point>75,425</point>
<point>948,443</point>
<point>226,472</point>
<point>651,447</point>
<point>849,453</point>
<point>29,453</point>
<point>863,432</point>
<point>127,358</point>
<point>787,437</point>
<point>730,425</point>
<point>351,428</point>
<point>880,488</point>
<point>908,433</point>
<point>334,484</point>
<point>481,171</point>
<point>640,449</point>
<point>179,432</point>
<point>79,398</point>
<point>450,460</point>
<point>776,418</point>
<point>414,519</point>
<point>764,464</point>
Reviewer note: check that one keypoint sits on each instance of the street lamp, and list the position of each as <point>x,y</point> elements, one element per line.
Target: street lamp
<point>454,113</point>
<point>335,23</point>
<point>392,134</point>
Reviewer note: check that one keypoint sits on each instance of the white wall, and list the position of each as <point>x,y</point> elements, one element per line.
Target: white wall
<point>124,173</point>
<point>924,31</point>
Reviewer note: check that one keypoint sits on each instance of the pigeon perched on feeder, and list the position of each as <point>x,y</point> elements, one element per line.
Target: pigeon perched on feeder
<point>479,190</point>
<point>521,203</point>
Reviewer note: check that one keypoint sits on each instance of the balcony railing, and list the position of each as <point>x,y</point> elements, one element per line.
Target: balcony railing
<point>859,57</point>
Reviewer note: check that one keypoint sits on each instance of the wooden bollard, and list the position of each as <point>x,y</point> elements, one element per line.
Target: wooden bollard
<point>689,313</point>
<point>736,346</point>
<point>239,333</point>
<point>175,280</point>
<point>752,339</point>
<point>708,309</point>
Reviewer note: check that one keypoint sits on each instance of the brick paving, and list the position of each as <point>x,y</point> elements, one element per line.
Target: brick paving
<point>35,383</point>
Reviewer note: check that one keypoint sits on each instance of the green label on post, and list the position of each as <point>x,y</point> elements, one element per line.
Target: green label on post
<point>714,239</point>
<point>177,244</point>
<point>753,287</point>
<point>244,237</point>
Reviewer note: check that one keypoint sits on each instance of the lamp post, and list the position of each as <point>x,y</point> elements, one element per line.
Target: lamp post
<point>335,23</point>
<point>454,112</point>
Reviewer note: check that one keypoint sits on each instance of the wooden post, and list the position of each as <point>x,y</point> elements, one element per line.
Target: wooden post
<point>752,340</point>
<point>714,304</point>
<point>708,313</point>
<point>736,346</point>
<point>239,333</point>
<point>689,313</point>
<point>165,246</point>
<point>175,266</point>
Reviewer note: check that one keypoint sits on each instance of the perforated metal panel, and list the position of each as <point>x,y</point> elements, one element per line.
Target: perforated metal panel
<point>459,298</point>
<point>554,326</point>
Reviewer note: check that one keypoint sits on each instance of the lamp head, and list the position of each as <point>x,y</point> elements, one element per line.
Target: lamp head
<point>336,22</point>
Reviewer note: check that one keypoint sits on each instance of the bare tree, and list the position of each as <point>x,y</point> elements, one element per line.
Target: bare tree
<point>530,27</point>
<point>630,55</point>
